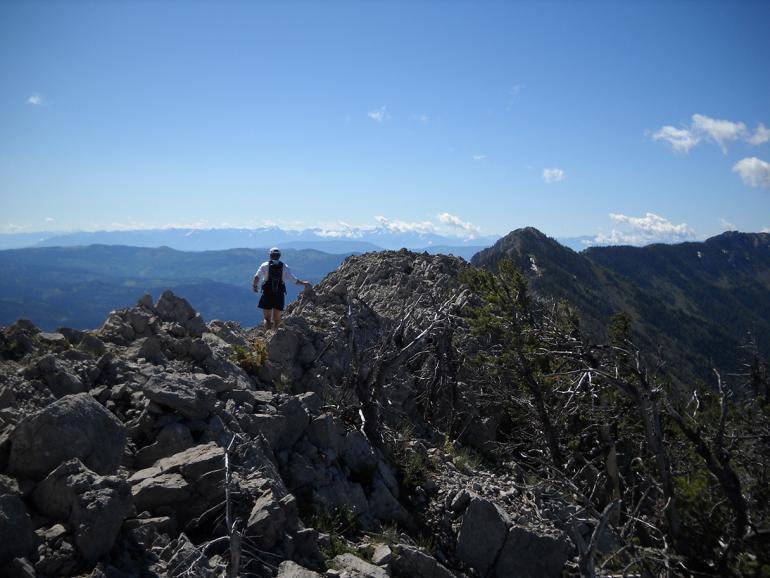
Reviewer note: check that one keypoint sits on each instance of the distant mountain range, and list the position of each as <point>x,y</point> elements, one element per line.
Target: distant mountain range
<point>78,286</point>
<point>696,303</point>
<point>355,239</point>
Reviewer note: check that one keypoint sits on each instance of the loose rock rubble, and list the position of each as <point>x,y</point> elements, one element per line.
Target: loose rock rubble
<point>145,448</point>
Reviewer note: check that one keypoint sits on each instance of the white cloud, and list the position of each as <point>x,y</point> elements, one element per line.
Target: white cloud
<point>35,99</point>
<point>553,175</point>
<point>465,229</point>
<point>49,219</point>
<point>722,132</point>
<point>727,225</point>
<point>479,157</point>
<point>650,228</point>
<point>406,227</point>
<point>11,228</point>
<point>765,230</point>
<point>761,135</point>
<point>754,172</point>
<point>379,114</point>
<point>422,118</point>
<point>681,140</point>
<point>445,224</point>
<point>719,131</point>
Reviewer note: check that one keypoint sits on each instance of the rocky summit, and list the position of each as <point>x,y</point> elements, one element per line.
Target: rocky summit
<point>347,443</point>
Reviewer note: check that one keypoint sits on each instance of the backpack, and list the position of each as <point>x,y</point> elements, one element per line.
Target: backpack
<point>274,282</point>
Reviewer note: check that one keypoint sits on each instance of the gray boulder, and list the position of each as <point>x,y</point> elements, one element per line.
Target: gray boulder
<point>289,569</point>
<point>172,439</point>
<point>181,393</point>
<point>410,561</point>
<point>76,426</point>
<point>56,376</point>
<point>282,429</point>
<point>148,348</point>
<point>173,309</point>
<point>527,554</point>
<point>160,490</point>
<point>270,518</point>
<point>354,567</point>
<point>189,482</point>
<point>94,506</point>
<point>358,454</point>
<point>482,534</point>
<point>15,528</point>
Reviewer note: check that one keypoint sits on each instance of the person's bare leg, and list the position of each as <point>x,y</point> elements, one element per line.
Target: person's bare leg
<point>276,318</point>
<point>268,313</point>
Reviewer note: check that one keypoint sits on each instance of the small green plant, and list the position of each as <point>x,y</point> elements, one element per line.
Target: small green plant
<point>466,461</point>
<point>463,458</point>
<point>412,463</point>
<point>252,357</point>
<point>336,523</point>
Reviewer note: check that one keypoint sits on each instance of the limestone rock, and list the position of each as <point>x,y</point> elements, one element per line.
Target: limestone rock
<point>358,454</point>
<point>56,376</point>
<point>530,555</point>
<point>93,505</point>
<point>160,490</point>
<point>410,561</point>
<point>76,426</point>
<point>482,534</point>
<point>172,439</point>
<point>382,555</point>
<point>15,528</point>
<point>291,569</point>
<point>354,567</point>
<point>180,393</point>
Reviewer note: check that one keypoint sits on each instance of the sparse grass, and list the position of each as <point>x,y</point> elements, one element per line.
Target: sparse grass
<point>466,461</point>
<point>336,523</point>
<point>413,465</point>
<point>252,357</point>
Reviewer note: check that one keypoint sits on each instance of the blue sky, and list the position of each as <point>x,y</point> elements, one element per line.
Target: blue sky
<point>633,121</point>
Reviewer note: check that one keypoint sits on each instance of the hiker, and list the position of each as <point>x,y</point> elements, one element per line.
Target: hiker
<point>272,276</point>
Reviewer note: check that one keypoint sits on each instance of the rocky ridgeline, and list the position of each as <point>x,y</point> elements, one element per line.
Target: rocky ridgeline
<point>145,448</point>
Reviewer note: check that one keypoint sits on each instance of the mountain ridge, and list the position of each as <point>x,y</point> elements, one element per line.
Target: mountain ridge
<point>700,297</point>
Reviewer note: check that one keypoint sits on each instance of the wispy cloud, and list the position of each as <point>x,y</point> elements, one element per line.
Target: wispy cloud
<point>553,175</point>
<point>422,118</point>
<point>12,228</point>
<point>379,115</point>
<point>465,229</point>
<point>650,228</point>
<point>705,128</point>
<point>49,219</point>
<point>35,99</point>
<point>761,135</point>
<point>727,225</point>
<point>513,92</point>
<point>681,140</point>
<point>754,172</point>
<point>722,132</point>
<point>479,157</point>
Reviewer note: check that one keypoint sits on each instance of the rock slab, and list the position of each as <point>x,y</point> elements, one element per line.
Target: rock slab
<point>76,426</point>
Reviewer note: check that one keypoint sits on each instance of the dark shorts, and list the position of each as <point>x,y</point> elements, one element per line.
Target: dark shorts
<point>270,300</point>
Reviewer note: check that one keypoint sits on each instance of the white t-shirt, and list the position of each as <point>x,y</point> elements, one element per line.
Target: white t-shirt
<point>263,271</point>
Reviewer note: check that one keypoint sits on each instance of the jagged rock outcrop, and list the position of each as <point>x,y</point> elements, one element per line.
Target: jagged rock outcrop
<point>154,443</point>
